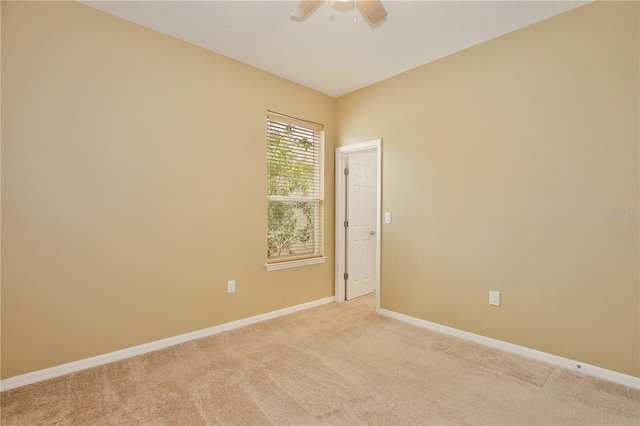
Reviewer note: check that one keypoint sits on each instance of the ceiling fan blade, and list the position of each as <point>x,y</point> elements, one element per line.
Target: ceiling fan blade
<point>372,10</point>
<point>304,8</point>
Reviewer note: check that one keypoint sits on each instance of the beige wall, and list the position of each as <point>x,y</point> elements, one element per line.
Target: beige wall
<point>498,165</point>
<point>125,152</point>
<point>133,187</point>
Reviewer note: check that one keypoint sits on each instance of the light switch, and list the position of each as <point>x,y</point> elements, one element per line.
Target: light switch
<point>387,217</point>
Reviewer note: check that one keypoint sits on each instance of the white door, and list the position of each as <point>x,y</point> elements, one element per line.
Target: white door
<point>361,230</point>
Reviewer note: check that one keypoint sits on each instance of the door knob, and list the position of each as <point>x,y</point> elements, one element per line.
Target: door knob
<point>372,233</point>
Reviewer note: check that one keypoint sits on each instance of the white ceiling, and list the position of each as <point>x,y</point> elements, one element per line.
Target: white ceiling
<point>328,51</point>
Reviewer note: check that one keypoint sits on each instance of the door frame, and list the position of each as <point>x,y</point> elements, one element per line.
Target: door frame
<point>341,156</point>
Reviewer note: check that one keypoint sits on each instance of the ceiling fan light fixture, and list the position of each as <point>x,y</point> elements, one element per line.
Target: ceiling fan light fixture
<point>372,10</point>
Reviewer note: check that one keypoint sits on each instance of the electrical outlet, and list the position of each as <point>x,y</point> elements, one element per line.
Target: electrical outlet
<point>231,286</point>
<point>494,298</point>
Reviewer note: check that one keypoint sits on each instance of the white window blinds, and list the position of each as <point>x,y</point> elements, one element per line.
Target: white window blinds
<point>294,188</point>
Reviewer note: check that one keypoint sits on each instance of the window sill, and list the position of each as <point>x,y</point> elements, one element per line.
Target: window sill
<point>295,263</point>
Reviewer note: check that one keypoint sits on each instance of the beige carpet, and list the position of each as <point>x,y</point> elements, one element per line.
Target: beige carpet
<point>335,364</point>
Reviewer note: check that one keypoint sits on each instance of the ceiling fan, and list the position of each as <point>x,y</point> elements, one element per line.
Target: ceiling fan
<point>372,10</point>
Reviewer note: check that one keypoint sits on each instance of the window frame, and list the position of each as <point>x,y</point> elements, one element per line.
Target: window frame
<point>318,255</point>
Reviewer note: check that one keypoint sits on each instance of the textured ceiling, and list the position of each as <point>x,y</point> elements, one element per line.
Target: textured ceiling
<point>329,51</point>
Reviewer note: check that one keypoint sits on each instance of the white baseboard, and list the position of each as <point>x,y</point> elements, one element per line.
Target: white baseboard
<point>72,367</point>
<point>591,370</point>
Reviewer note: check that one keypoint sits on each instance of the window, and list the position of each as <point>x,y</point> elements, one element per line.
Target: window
<point>294,191</point>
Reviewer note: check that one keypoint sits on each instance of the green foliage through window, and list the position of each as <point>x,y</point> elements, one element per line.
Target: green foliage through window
<point>293,178</point>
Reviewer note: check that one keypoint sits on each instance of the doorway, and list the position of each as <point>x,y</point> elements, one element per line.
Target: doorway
<point>358,205</point>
